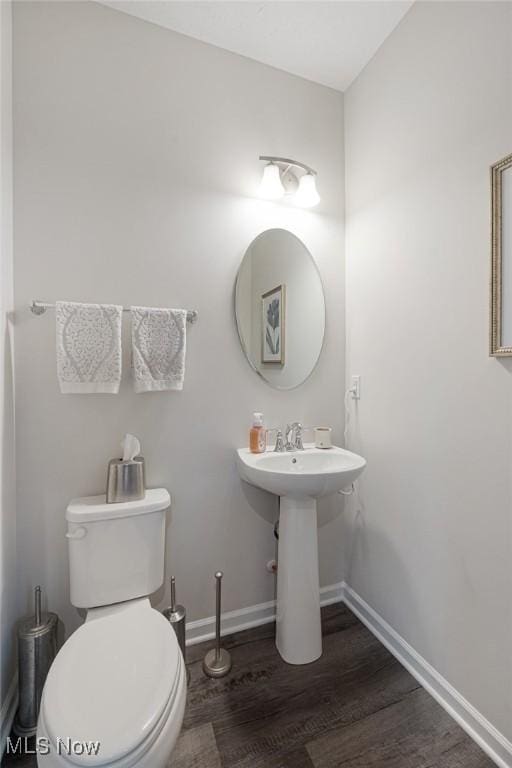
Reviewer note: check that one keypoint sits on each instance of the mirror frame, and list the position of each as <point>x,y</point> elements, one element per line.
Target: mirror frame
<point>238,329</point>
<point>496,347</point>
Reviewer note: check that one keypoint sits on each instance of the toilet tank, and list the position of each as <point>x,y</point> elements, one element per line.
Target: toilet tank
<point>116,551</point>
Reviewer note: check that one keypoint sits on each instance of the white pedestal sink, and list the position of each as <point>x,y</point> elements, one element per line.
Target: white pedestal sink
<point>299,478</point>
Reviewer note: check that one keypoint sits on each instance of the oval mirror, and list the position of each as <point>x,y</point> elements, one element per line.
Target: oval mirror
<point>280,309</point>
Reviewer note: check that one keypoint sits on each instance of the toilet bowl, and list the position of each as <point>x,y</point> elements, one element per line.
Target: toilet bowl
<point>118,683</point>
<point>115,694</point>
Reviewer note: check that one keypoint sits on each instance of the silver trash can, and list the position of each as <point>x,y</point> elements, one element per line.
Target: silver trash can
<point>37,648</point>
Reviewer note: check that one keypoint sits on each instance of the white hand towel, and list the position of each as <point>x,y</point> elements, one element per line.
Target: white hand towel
<point>88,347</point>
<point>158,347</point>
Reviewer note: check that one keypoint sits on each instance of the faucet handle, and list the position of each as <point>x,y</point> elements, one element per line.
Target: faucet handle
<point>279,446</point>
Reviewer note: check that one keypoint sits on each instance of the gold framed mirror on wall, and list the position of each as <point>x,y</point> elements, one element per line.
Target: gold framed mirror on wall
<point>501,258</point>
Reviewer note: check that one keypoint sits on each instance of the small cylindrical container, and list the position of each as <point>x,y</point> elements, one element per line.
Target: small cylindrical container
<point>323,437</point>
<point>37,648</point>
<point>257,434</point>
<point>125,480</point>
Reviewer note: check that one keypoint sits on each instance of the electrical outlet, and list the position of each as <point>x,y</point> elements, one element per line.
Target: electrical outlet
<point>355,387</point>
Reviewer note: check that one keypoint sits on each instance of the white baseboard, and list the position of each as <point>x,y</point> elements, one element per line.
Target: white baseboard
<point>252,616</point>
<point>7,712</point>
<point>493,743</point>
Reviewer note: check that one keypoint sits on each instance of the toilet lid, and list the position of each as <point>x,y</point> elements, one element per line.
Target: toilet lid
<point>111,681</point>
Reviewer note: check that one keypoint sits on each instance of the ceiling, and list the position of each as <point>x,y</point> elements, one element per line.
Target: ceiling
<point>327,42</point>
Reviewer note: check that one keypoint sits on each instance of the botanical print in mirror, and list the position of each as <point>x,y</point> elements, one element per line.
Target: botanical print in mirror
<point>501,264</point>
<point>273,326</point>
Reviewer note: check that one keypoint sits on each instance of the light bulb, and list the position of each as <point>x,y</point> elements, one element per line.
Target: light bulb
<point>307,196</point>
<point>271,185</point>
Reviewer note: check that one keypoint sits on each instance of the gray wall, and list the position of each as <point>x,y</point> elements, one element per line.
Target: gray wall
<point>8,583</point>
<point>431,551</point>
<point>136,172</point>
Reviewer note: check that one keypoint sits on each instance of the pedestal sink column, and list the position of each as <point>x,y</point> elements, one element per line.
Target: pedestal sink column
<point>299,632</point>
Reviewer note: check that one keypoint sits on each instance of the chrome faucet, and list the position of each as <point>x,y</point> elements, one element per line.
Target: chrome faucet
<point>294,431</point>
<point>292,440</point>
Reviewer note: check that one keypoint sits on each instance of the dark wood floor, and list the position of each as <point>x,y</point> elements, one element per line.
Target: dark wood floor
<point>356,707</point>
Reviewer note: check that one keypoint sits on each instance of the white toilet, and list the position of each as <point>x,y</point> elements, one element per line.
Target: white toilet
<point>120,678</point>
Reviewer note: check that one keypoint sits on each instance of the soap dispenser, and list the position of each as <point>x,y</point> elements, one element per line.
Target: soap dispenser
<point>257,434</point>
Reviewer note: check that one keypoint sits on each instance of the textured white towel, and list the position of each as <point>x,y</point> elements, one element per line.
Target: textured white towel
<point>88,347</point>
<point>158,347</point>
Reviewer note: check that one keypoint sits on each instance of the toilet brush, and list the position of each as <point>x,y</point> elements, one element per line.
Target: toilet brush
<point>217,661</point>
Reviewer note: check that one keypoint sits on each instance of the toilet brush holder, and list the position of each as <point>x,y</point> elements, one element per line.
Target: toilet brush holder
<point>217,662</point>
<point>37,648</point>
<point>177,617</point>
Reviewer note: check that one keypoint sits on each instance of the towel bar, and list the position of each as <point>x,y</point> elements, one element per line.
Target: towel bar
<point>40,307</point>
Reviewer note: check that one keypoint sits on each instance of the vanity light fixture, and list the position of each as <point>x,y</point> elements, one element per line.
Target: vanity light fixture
<point>280,179</point>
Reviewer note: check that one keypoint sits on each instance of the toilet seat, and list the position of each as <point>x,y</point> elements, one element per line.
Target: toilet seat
<point>152,753</point>
<point>114,681</point>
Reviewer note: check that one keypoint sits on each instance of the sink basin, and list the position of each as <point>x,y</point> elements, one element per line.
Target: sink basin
<point>299,478</point>
<point>313,472</point>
